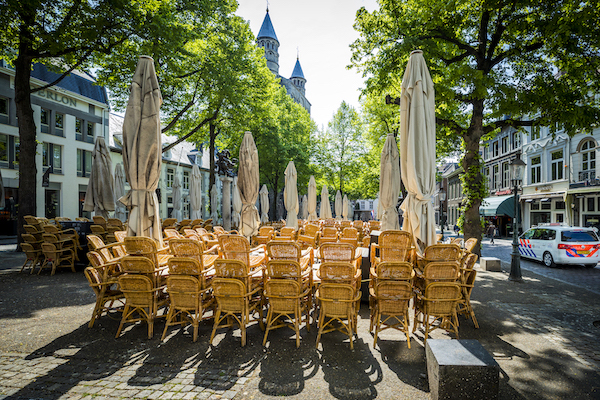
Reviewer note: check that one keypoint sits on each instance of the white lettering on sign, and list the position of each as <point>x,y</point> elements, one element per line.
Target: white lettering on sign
<point>57,97</point>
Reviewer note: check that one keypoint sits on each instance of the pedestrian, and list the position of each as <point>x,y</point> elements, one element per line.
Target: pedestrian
<point>492,232</point>
<point>456,229</point>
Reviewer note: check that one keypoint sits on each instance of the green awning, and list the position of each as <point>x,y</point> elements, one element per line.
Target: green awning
<point>497,205</point>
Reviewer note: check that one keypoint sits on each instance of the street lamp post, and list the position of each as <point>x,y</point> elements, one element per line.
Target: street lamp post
<point>442,194</point>
<point>517,169</point>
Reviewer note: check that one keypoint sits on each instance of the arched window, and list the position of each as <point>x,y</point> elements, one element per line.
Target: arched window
<point>588,155</point>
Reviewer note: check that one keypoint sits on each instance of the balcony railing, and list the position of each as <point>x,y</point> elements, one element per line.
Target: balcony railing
<point>587,175</point>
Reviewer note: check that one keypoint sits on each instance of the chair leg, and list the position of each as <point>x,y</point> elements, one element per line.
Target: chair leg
<point>167,322</point>
<point>268,327</point>
<point>215,325</point>
<point>95,313</point>
<point>321,325</point>
<point>123,318</point>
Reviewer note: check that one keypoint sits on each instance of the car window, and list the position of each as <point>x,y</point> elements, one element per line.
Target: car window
<point>538,234</point>
<point>551,234</point>
<point>578,236</point>
<point>528,234</point>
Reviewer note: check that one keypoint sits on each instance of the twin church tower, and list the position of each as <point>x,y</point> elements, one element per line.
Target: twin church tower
<point>267,39</point>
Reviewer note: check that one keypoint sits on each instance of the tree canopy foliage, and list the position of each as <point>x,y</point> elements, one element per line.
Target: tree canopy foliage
<point>494,63</point>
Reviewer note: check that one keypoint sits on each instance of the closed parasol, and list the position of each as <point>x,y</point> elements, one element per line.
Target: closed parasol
<point>237,203</point>
<point>248,175</point>
<point>196,193</point>
<point>264,204</point>
<point>142,154</point>
<point>417,147</point>
<point>290,195</point>
<point>120,211</point>
<point>389,184</point>
<point>311,206</point>
<point>338,205</point>
<point>100,194</point>
<point>325,204</point>
<point>304,207</point>
<point>345,208</point>
<point>176,213</point>
<point>214,194</point>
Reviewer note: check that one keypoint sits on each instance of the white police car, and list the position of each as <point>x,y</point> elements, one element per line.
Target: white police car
<point>559,244</point>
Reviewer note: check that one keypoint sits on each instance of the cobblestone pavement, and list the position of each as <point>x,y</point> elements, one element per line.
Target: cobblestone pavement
<point>541,332</point>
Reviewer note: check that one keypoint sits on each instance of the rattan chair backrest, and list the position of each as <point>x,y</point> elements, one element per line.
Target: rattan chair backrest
<point>337,252</point>
<point>184,291</point>
<point>230,294</point>
<point>358,224</point>
<point>468,261</point>
<point>470,244</point>
<point>95,241</point>
<point>374,225</point>
<point>227,268</point>
<point>394,270</point>
<point>311,230</point>
<point>395,245</point>
<point>284,250</point>
<point>186,247</point>
<point>441,298</point>
<point>120,236</point>
<point>29,238</point>
<point>350,232</point>
<point>219,230</point>
<point>98,229</point>
<point>287,231</point>
<point>442,252</point>
<point>283,295</point>
<point>169,222</point>
<point>95,259</point>
<point>142,246</point>
<point>192,234</point>
<point>329,232</point>
<point>342,272</point>
<point>283,269</point>
<point>235,247</point>
<point>197,222</point>
<point>99,220</point>
<point>32,230</point>
<point>137,265</point>
<point>94,278</point>
<point>30,251</point>
<point>31,220</point>
<point>441,271</point>
<point>340,298</point>
<point>184,266</point>
<point>393,291</point>
<point>138,290</point>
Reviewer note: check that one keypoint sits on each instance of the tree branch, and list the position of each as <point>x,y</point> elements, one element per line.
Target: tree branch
<point>196,129</point>
<point>450,124</point>
<point>64,75</point>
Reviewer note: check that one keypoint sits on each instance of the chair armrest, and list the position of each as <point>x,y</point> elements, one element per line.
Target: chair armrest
<point>213,250</point>
<point>259,247</point>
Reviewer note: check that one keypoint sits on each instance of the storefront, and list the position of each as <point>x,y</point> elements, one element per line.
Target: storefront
<point>543,208</point>
<point>499,210</point>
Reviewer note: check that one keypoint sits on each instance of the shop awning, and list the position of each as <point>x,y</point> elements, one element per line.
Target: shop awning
<point>497,205</point>
<point>541,196</point>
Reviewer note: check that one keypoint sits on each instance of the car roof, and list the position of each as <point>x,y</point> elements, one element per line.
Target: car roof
<point>563,228</point>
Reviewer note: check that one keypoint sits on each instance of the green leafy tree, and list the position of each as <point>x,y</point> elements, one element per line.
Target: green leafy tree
<point>70,34</point>
<point>340,149</point>
<point>535,62</point>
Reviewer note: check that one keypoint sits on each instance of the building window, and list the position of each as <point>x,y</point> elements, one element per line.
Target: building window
<point>495,149</point>
<point>588,157</point>
<point>496,175</point>
<point>557,165</point>
<point>3,110</point>
<point>505,144</point>
<point>52,157</point>
<point>485,153</point>
<point>3,150</point>
<point>84,163</point>
<point>89,133</point>
<point>44,119</point>
<point>516,140</point>
<point>505,175</point>
<point>371,205</point>
<point>59,124</point>
<point>535,132</point>
<point>535,206</point>
<point>170,176</point>
<point>560,205</point>
<point>486,173</point>
<point>186,180</point>
<point>536,169</point>
<point>591,202</point>
<point>17,152</point>
<point>79,129</point>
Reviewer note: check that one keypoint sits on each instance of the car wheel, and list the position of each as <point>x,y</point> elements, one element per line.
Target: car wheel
<point>590,266</point>
<point>548,260</point>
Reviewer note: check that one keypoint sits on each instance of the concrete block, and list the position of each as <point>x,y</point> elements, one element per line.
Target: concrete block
<point>461,369</point>
<point>490,264</point>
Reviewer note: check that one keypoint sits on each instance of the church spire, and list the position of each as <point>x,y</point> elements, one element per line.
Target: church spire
<point>267,39</point>
<point>297,77</point>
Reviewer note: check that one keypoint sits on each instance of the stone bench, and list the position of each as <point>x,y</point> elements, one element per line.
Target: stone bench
<point>461,369</point>
<point>490,264</point>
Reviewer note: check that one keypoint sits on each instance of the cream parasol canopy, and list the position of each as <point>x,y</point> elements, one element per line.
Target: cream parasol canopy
<point>338,205</point>
<point>142,154</point>
<point>237,203</point>
<point>325,204</point>
<point>176,213</point>
<point>417,149</point>
<point>248,175</point>
<point>100,194</point>
<point>196,193</point>
<point>345,208</point>
<point>290,195</point>
<point>311,206</point>
<point>389,184</point>
<point>120,192</point>
<point>264,204</point>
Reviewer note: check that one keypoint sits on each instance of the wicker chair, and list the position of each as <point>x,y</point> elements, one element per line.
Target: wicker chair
<point>198,222</point>
<point>390,307</point>
<point>329,234</point>
<point>470,244</point>
<point>141,265</point>
<point>338,309</point>
<point>169,223</point>
<point>311,236</point>
<point>56,257</point>
<point>374,226</point>
<point>292,270</point>
<point>34,257</point>
<point>467,278</point>
<point>439,252</point>
<point>33,231</point>
<point>458,241</point>
<point>393,246</point>
<point>387,271</point>
<point>99,220</point>
<point>235,247</point>
<point>64,234</point>
<point>238,295</point>
<point>340,273</point>
<point>437,271</point>
<point>120,236</point>
<point>287,233</point>
<point>107,298</point>
<point>114,224</point>
<point>109,270</point>
<point>287,250</point>
<point>147,247</point>
<point>439,302</point>
<point>265,234</point>
<point>193,249</point>
<point>98,230</point>
<point>61,244</point>
<point>188,300</point>
<point>107,251</point>
<point>209,239</point>
<point>219,230</point>
<point>171,233</point>
<point>340,252</point>
<point>142,297</point>
<point>349,235</point>
<point>285,301</point>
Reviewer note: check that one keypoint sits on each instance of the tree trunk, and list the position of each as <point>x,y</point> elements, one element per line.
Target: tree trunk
<point>212,179</point>
<point>27,136</point>
<point>473,180</point>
